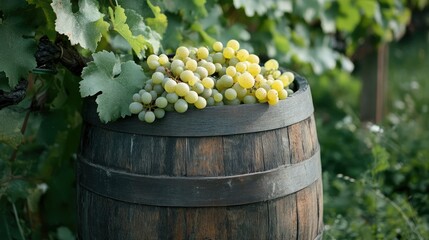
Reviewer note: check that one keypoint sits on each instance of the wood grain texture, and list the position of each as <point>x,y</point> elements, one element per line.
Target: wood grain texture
<point>298,215</point>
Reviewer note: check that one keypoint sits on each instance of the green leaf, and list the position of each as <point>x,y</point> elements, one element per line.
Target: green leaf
<point>10,127</point>
<point>159,22</point>
<point>84,27</point>
<point>16,52</point>
<point>17,189</point>
<point>120,24</point>
<point>381,159</point>
<point>348,17</point>
<point>116,81</point>
<point>190,10</point>
<point>260,7</point>
<point>138,27</point>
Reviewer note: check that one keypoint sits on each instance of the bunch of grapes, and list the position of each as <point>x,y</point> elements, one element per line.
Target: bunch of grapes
<point>200,77</point>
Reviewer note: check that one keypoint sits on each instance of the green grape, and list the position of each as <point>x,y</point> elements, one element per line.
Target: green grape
<point>141,115</point>
<point>161,102</point>
<point>149,117</point>
<point>208,82</point>
<point>234,44</point>
<point>187,75</point>
<point>230,94</point>
<point>154,94</point>
<point>182,89</point>
<point>254,69</point>
<point>191,64</point>
<point>210,67</point>
<point>169,108</point>
<point>146,98</point>
<point>193,81</point>
<point>241,92</point>
<point>272,94</point>
<point>210,101</point>
<point>158,89</point>
<point>276,74</point>
<point>182,52</point>
<point>261,94</point>
<point>163,59</point>
<point>228,52</point>
<point>232,102</point>
<point>136,97</point>
<point>148,86</point>
<point>172,97</point>
<point>289,91</point>
<point>170,85</point>
<point>181,106</point>
<point>191,97</point>
<point>135,107</point>
<point>242,55</point>
<point>198,87</point>
<point>218,97</point>
<point>218,67</point>
<point>253,59</point>
<point>241,67</point>
<point>231,71</point>
<point>277,85</point>
<point>290,76</point>
<point>159,112</point>
<point>200,103</point>
<point>176,63</point>
<point>157,77</point>
<point>218,58</point>
<point>246,80</point>
<point>249,99</point>
<point>202,53</point>
<point>217,46</point>
<point>271,64</point>
<point>207,92</point>
<point>202,72</point>
<point>233,61</point>
<point>283,94</point>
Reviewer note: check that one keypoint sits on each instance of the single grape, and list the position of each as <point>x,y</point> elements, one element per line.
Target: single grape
<point>182,89</point>
<point>191,64</point>
<point>135,107</point>
<point>283,94</point>
<point>208,82</point>
<point>217,46</point>
<point>170,85</point>
<point>182,52</point>
<point>187,75</point>
<point>146,98</point>
<point>277,85</point>
<point>136,97</point>
<point>198,87</point>
<point>154,94</point>
<point>172,97</point>
<point>202,72</point>
<point>161,102</point>
<point>230,94</point>
<point>249,99</point>
<point>207,93</point>
<point>241,67</point>
<point>272,94</point>
<point>228,53</point>
<point>253,59</point>
<point>157,77</point>
<point>191,97</point>
<point>181,106</point>
<point>163,59</point>
<point>141,115</point>
<point>246,80</point>
<point>202,53</point>
<point>200,103</point>
<point>242,55</point>
<point>271,64</point>
<point>159,112</point>
<point>210,67</point>
<point>231,71</point>
<point>149,117</point>
<point>218,97</point>
<point>234,44</point>
<point>254,69</point>
<point>261,93</point>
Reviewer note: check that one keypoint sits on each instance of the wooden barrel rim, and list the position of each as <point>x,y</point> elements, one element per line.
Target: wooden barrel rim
<point>217,120</point>
<point>199,191</point>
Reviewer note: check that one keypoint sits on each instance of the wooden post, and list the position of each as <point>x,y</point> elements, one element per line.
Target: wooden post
<point>372,68</point>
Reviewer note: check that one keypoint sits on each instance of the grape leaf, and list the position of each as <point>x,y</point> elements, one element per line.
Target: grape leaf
<point>138,27</point>
<point>16,52</point>
<point>190,10</point>
<point>10,127</point>
<point>120,24</point>
<point>159,22</point>
<point>84,27</point>
<point>116,81</point>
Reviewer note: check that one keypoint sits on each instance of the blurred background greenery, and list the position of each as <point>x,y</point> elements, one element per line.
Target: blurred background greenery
<point>375,160</point>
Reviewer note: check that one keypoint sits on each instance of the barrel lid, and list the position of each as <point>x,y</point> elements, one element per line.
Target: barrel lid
<point>216,120</point>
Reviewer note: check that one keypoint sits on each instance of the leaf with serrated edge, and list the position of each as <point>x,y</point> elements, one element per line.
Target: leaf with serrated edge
<point>84,27</point>
<point>116,81</point>
<point>119,20</point>
<point>159,22</point>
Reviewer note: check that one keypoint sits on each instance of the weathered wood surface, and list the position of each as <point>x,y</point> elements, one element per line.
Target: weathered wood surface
<point>295,216</point>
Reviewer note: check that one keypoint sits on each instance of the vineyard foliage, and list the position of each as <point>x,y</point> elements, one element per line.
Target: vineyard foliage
<point>39,134</point>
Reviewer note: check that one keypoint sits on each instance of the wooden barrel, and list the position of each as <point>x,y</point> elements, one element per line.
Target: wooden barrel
<point>232,172</point>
